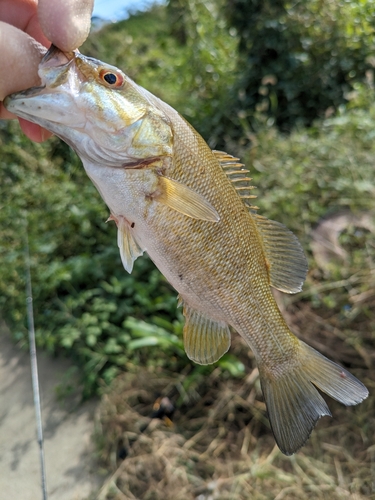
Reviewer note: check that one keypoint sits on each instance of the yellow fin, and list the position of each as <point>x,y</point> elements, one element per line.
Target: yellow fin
<point>226,160</point>
<point>205,340</point>
<point>284,253</point>
<point>183,199</point>
<point>129,248</point>
<point>238,175</point>
<point>293,403</point>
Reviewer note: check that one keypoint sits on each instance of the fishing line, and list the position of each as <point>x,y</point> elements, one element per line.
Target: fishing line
<point>34,364</point>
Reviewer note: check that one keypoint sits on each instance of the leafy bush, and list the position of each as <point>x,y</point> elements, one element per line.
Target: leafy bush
<point>299,60</point>
<point>326,168</point>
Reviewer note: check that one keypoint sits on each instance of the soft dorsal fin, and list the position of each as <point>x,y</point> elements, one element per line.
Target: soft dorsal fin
<point>129,248</point>
<point>205,340</point>
<point>284,253</point>
<point>238,175</point>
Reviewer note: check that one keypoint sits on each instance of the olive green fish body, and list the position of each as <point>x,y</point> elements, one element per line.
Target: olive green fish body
<point>219,269</point>
<point>222,264</point>
<point>190,209</point>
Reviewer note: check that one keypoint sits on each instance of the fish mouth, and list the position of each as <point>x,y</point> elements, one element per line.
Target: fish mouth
<point>54,57</point>
<point>53,102</point>
<point>23,93</point>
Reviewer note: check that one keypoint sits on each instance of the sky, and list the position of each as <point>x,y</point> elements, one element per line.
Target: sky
<point>114,10</point>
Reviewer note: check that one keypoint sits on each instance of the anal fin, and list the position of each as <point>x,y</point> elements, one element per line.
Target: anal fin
<point>205,340</point>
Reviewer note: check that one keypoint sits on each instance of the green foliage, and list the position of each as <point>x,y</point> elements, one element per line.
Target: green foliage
<point>82,295</point>
<point>232,68</point>
<point>299,59</point>
<point>315,171</point>
<point>210,59</point>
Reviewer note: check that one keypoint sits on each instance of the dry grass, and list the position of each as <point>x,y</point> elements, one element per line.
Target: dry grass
<point>220,446</point>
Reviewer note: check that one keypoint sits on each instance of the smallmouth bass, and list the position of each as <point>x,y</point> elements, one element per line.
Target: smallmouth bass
<point>190,209</point>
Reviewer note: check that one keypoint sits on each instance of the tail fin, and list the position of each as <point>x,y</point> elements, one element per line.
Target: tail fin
<point>293,403</point>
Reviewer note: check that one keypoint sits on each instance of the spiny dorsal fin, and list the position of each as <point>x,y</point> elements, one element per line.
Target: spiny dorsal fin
<point>238,175</point>
<point>284,253</point>
<point>226,160</point>
<point>205,340</point>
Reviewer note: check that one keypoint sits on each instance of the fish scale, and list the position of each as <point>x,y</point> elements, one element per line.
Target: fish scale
<point>229,234</point>
<point>190,209</point>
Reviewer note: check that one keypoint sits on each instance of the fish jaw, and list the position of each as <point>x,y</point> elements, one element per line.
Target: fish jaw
<point>53,102</point>
<point>35,106</point>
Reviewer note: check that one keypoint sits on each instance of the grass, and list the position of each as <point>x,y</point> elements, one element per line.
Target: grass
<point>220,445</point>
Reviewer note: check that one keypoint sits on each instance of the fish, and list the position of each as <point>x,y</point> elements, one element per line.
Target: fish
<point>191,209</point>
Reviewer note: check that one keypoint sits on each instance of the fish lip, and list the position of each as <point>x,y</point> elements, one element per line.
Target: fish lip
<point>9,99</point>
<point>55,57</point>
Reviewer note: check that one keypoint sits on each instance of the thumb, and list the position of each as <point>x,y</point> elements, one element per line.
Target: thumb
<point>67,23</point>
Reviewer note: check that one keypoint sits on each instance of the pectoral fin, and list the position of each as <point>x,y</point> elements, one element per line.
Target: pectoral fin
<point>129,248</point>
<point>183,199</point>
<point>205,340</point>
<point>284,253</point>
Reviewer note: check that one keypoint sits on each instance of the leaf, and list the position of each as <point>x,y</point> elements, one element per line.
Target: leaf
<point>230,363</point>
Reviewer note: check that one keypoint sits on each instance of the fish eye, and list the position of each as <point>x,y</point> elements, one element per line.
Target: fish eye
<point>110,78</point>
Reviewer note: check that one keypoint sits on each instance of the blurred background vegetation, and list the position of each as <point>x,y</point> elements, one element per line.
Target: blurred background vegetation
<point>288,87</point>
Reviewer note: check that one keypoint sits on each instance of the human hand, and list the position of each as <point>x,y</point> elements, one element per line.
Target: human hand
<point>27,27</point>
